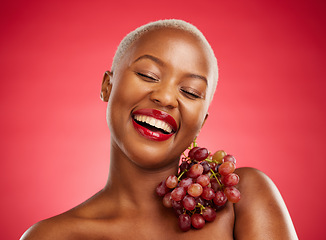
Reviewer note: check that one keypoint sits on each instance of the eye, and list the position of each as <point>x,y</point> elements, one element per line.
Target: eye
<point>190,93</point>
<point>148,77</point>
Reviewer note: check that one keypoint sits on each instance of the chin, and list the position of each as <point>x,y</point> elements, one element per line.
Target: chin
<point>152,158</point>
<point>150,165</point>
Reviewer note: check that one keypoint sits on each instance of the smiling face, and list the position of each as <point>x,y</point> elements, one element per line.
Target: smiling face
<point>158,97</point>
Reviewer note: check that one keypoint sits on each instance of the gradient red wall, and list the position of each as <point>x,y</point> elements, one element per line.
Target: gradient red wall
<point>269,108</point>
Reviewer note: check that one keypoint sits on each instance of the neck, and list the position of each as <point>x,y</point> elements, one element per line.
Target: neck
<point>133,185</point>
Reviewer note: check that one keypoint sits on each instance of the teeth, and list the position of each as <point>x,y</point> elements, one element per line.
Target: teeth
<point>154,122</point>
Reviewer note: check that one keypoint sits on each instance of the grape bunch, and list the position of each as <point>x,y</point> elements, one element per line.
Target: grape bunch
<point>205,182</point>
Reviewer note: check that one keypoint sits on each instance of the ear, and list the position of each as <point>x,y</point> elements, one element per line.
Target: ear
<point>106,86</point>
<point>205,119</point>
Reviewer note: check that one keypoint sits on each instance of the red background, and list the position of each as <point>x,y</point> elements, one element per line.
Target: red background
<point>269,108</point>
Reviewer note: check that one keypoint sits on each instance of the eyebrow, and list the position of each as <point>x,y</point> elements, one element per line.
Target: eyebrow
<point>191,75</point>
<point>154,59</point>
<point>160,62</point>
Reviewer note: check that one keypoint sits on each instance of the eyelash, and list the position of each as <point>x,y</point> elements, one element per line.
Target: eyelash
<point>146,76</point>
<point>189,94</point>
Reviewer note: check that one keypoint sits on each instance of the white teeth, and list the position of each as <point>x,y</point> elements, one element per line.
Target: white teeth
<point>154,122</point>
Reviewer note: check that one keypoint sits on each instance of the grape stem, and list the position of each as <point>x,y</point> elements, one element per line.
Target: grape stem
<point>201,207</point>
<point>213,173</point>
<point>194,144</point>
<point>211,161</point>
<point>182,174</point>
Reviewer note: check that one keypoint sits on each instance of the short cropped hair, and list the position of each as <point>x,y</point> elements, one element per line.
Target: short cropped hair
<point>131,37</point>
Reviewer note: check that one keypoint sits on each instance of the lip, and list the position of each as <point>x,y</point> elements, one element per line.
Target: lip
<point>160,115</point>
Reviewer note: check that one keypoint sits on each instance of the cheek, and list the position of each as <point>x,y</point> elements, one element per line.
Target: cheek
<point>193,117</point>
<point>126,93</point>
<point>128,89</point>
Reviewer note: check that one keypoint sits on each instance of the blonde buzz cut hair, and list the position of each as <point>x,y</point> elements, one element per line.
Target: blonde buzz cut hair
<point>134,35</point>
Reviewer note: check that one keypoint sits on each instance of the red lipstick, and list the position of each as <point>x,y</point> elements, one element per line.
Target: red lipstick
<point>160,128</point>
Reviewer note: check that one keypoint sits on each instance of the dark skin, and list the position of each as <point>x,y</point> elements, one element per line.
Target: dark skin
<point>165,69</point>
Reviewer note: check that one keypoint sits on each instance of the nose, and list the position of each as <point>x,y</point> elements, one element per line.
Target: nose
<point>165,96</point>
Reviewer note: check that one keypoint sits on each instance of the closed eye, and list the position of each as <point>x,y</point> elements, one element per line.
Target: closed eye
<point>147,77</point>
<point>191,94</point>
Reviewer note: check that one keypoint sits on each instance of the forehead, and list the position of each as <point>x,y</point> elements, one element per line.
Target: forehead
<point>177,48</point>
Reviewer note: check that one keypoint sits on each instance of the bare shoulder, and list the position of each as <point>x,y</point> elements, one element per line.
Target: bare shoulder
<point>253,180</point>
<point>79,222</point>
<point>76,223</point>
<point>261,213</point>
<point>48,229</point>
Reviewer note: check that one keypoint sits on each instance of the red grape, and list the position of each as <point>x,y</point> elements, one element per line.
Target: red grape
<point>177,205</point>
<point>215,185</point>
<point>195,170</point>
<point>192,151</point>
<point>167,200</point>
<point>184,166</point>
<point>229,158</point>
<point>218,156</point>
<point>189,203</point>
<point>184,222</point>
<point>195,190</point>
<point>201,154</point>
<point>186,182</point>
<point>178,193</point>
<point>231,179</point>
<point>162,189</point>
<point>220,198</point>
<point>197,221</point>
<point>213,165</point>
<point>206,166</point>
<point>226,168</point>
<point>203,180</point>
<point>171,181</point>
<point>209,214</point>
<point>232,194</point>
<point>208,193</point>
<point>178,212</point>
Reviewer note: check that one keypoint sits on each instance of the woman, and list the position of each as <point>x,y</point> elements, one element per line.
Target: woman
<point>161,83</point>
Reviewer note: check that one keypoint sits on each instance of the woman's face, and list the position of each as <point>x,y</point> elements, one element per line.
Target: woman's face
<point>159,97</point>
